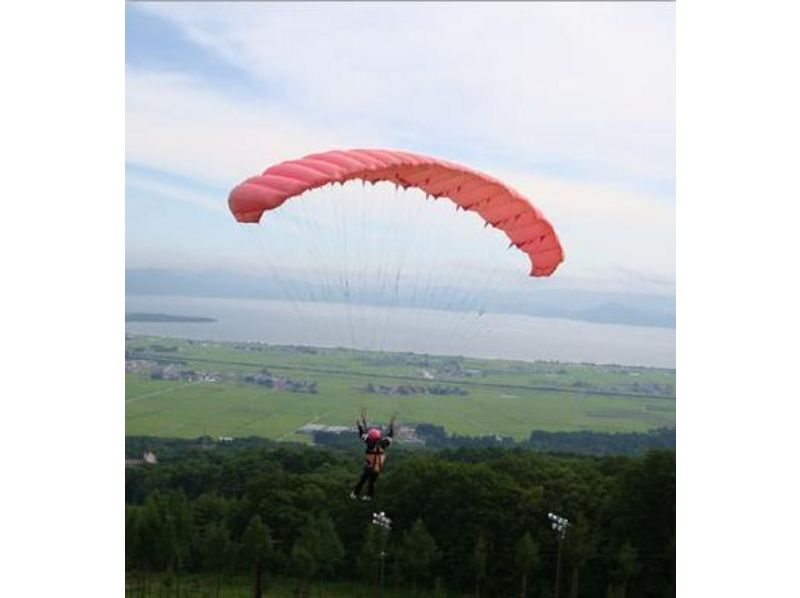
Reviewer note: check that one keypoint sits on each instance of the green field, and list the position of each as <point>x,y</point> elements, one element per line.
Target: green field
<point>504,397</point>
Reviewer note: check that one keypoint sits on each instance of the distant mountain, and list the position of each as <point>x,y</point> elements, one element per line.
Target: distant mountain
<point>635,309</point>
<point>162,318</point>
<point>616,313</point>
<point>185,283</point>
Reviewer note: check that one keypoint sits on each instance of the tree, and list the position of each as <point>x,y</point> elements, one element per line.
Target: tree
<point>304,565</point>
<point>164,526</point>
<point>214,549</point>
<point>580,545</point>
<point>317,550</point>
<point>179,520</point>
<point>369,557</point>
<point>209,507</point>
<point>329,550</point>
<point>419,552</point>
<point>256,548</point>
<point>479,556</point>
<point>136,558</point>
<point>161,533</point>
<point>133,551</point>
<point>627,566</point>
<point>526,559</point>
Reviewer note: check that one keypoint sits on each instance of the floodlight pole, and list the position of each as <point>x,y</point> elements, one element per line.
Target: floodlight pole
<point>558,568</point>
<point>383,559</point>
<point>559,525</point>
<point>384,524</point>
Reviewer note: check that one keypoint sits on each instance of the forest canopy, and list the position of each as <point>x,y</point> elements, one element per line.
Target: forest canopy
<point>460,517</point>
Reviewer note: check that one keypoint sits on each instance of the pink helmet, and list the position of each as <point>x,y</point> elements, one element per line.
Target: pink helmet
<point>374,434</point>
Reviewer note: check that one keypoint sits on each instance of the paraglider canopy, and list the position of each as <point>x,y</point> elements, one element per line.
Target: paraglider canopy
<point>495,202</point>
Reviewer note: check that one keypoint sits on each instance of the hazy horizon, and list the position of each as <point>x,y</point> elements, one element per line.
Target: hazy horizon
<point>638,309</point>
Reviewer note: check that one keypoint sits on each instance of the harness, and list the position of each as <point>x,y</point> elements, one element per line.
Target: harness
<point>375,457</point>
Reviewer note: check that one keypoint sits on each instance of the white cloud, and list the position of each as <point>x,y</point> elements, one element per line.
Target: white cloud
<point>609,233</point>
<point>176,192</point>
<point>592,85</point>
<point>177,123</point>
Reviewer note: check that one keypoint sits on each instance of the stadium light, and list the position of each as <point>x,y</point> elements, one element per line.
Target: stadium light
<point>559,525</point>
<point>382,521</point>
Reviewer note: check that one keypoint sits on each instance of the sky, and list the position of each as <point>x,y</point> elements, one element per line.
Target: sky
<point>573,104</point>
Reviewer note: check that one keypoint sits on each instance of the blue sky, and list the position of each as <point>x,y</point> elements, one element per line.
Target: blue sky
<point>573,104</point>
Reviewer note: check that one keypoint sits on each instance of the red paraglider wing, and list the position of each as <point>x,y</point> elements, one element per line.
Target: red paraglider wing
<point>497,203</point>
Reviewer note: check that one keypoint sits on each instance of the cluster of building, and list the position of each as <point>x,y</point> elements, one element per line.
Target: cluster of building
<point>656,389</point>
<point>406,434</point>
<point>413,389</point>
<point>168,371</point>
<point>455,369</point>
<point>312,428</point>
<point>279,383</point>
<point>148,458</point>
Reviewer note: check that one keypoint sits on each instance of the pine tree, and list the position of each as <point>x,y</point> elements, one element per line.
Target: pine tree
<point>479,557</point>
<point>256,546</point>
<point>419,552</point>
<point>527,559</point>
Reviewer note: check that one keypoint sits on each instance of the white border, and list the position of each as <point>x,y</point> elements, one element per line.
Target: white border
<point>62,299</point>
<point>737,406</point>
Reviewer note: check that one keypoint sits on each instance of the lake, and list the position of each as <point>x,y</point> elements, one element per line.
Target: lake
<point>488,335</point>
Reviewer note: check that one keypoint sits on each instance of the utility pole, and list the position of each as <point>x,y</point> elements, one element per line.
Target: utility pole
<point>384,525</point>
<point>559,526</point>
